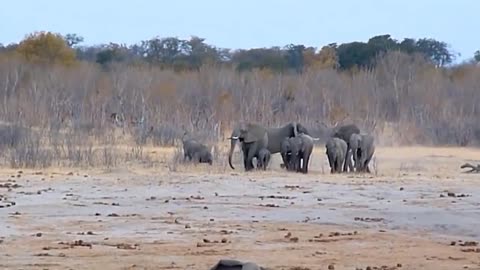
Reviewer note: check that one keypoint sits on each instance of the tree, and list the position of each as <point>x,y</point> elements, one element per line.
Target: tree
<point>408,45</point>
<point>382,43</point>
<point>294,57</point>
<point>355,54</point>
<point>436,51</point>
<point>164,50</point>
<point>327,57</point>
<point>199,53</point>
<point>73,39</point>
<point>476,56</point>
<point>112,53</point>
<point>272,58</point>
<point>46,48</point>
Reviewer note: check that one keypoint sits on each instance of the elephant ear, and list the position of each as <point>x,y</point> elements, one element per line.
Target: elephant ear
<point>254,133</point>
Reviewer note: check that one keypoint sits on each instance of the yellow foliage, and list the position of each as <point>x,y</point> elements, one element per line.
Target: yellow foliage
<point>46,48</point>
<point>326,58</point>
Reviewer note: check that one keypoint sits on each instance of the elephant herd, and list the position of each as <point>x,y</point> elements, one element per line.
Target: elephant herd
<point>347,149</point>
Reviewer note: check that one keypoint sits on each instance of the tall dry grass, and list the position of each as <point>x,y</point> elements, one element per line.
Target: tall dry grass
<point>61,115</point>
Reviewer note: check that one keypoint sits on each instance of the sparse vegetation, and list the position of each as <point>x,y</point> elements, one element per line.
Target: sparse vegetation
<point>58,96</point>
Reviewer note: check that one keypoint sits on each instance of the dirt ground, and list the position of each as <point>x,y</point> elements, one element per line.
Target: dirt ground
<point>416,211</point>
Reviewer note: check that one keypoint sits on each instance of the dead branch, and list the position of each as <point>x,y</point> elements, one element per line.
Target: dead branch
<point>474,169</point>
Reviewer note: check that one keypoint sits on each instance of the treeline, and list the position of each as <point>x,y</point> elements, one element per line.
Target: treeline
<point>183,55</point>
<point>58,97</point>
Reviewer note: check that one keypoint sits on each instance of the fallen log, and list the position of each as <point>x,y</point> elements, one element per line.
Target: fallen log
<point>473,169</point>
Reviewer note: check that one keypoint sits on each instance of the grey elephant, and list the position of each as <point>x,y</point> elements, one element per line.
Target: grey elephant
<point>196,151</point>
<point>336,150</point>
<point>263,159</point>
<point>290,146</point>
<point>363,148</point>
<point>235,265</point>
<point>296,152</point>
<point>253,137</point>
<point>344,132</point>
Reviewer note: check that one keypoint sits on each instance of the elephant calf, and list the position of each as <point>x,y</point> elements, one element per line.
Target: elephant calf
<point>336,150</point>
<point>263,159</point>
<point>196,152</point>
<point>363,148</point>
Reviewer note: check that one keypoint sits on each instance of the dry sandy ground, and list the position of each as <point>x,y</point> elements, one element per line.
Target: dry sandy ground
<point>401,217</point>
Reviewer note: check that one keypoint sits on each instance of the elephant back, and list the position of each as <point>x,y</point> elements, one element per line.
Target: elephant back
<point>255,133</point>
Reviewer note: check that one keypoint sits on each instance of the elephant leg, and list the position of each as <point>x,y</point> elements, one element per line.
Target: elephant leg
<point>345,165</point>
<point>336,165</point>
<point>298,164</point>
<point>250,155</point>
<point>349,160</point>
<point>245,160</point>
<point>306,160</point>
<point>367,161</point>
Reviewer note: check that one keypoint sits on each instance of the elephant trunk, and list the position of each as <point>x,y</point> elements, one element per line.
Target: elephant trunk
<point>233,141</point>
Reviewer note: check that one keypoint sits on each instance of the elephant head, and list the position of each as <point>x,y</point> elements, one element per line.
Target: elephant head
<point>246,133</point>
<point>299,129</point>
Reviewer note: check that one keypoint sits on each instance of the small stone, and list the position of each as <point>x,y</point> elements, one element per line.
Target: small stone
<point>187,226</point>
<point>294,239</point>
<point>38,234</point>
<point>331,267</point>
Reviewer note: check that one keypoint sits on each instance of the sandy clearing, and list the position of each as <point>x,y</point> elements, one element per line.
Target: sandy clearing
<point>154,218</point>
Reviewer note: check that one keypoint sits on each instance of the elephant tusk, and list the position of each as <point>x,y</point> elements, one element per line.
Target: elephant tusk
<point>234,138</point>
<point>316,139</point>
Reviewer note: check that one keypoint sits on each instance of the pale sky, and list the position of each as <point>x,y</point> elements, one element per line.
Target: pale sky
<point>248,23</point>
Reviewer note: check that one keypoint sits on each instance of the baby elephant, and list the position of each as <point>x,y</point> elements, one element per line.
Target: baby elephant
<point>263,159</point>
<point>363,148</point>
<point>196,151</point>
<point>336,150</point>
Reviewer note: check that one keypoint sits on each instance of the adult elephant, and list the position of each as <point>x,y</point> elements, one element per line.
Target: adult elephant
<point>345,132</point>
<point>296,152</point>
<point>252,138</point>
<point>336,150</point>
<point>363,148</point>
